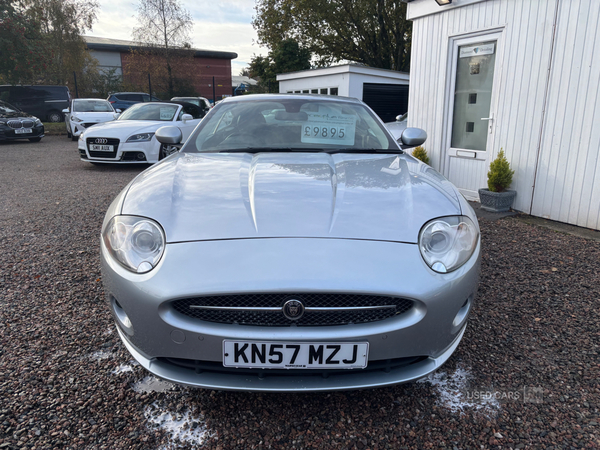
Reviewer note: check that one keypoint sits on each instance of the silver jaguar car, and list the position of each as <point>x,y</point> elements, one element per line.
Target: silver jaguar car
<point>291,244</point>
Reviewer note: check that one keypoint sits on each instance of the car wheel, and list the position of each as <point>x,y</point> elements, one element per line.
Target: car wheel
<point>37,139</point>
<point>55,117</point>
<point>167,150</point>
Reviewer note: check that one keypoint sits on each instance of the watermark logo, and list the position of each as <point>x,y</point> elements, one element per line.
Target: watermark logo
<point>526,394</point>
<point>532,394</point>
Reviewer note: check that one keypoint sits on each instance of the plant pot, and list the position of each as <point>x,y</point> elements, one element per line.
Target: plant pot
<point>496,201</point>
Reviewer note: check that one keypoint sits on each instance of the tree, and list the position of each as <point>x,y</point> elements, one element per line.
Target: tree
<point>24,57</point>
<point>286,56</point>
<point>372,32</point>
<point>164,29</point>
<point>62,24</point>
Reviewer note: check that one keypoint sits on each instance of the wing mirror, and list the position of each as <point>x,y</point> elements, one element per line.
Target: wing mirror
<point>412,137</point>
<point>399,118</point>
<point>169,135</point>
<point>117,114</point>
<point>119,111</point>
<point>65,111</point>
<point>186,117</point>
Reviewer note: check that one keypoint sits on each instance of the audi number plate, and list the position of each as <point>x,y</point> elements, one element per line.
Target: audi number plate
<point>23,130</point>
<point>295,355</point>
<point>101,148</point>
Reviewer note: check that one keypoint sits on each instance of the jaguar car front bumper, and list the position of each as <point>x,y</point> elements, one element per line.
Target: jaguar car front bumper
<point>190,351</point>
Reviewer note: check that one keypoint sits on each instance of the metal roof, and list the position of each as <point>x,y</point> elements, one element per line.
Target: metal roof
<point>119,45</point>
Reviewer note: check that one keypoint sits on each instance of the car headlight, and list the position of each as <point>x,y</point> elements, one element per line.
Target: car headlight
<point>37,122</point>
<point>448,242</point>
<point>135,242</point>
<point>76,119</point>
<point>142,137</point>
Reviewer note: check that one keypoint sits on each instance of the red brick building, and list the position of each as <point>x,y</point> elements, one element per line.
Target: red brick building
<point>197,67</point>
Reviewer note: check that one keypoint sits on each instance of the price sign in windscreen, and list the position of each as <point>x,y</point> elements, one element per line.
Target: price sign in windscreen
<point>329,128</point>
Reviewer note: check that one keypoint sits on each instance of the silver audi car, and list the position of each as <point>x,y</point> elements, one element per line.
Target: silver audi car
<point>291,244</point>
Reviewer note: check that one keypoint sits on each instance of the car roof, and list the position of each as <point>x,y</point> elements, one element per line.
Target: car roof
<point>101,99</point>
<point>276,97</point>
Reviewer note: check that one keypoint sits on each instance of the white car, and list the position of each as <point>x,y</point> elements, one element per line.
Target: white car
<point>130,138</point>
<point>85,112</point>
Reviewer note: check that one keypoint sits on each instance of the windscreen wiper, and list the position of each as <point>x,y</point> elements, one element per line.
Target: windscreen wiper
<point>362,150</point>
<point>271,149</point>
<point>311,150</point>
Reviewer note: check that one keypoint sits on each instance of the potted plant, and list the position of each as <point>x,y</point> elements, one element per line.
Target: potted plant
<point>497,198</point>
<point>421,154</point>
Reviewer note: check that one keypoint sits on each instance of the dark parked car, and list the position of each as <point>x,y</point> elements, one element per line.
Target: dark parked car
<point>123,100</point>
<point>198,101</point>
<point>16,124</point>
<point>45,102</point>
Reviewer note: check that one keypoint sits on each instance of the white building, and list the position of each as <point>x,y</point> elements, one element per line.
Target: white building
<point>522,75</point>
<point>385,91</point>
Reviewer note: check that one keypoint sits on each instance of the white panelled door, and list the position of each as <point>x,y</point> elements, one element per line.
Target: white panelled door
<point>470,115</point>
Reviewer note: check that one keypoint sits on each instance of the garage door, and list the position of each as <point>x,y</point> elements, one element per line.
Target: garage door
<point>387,100</point>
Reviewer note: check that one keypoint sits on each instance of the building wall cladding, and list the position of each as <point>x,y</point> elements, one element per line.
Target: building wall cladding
<point>198,71</point>
<point>549,97</point>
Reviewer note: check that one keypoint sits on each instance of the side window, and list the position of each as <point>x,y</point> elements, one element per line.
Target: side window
<point>34,93</point>
<point>5,93</point>
<point>146,97</point>
<point>131,97</point>
<point>56,92</point>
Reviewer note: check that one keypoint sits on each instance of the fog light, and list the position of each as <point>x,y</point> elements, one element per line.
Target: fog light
<point>141,156</point>
<point>462,314</point>
<point>122,317</point>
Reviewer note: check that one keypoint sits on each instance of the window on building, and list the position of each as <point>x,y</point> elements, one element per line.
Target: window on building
<point>305,91</point>
<point>333,91</point>
<point>324,91</point>
<point>314,91</point>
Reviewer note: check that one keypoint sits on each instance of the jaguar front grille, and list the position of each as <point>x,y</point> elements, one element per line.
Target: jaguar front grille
<point>317,309</point>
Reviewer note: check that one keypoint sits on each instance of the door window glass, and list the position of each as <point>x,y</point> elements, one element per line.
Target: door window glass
<point>473,95</point>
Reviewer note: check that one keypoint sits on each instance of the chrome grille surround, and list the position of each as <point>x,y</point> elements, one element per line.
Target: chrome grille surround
<point>14,124</point>
<point>266,309</point>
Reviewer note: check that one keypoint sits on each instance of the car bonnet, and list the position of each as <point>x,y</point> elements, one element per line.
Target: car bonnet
<point>212,196</point>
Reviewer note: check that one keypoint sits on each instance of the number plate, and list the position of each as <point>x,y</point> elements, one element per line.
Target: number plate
<point>101,148</point>
<point>300,355</point>
<point>23,130</point>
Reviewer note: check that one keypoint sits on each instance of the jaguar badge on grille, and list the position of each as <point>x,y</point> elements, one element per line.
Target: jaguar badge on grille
<point>293,309</point>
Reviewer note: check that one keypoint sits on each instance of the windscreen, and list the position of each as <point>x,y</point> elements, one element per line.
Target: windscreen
<point>290,124</point>
<point>7,108</point>
<point>150,111</point>
<point>92,106</point>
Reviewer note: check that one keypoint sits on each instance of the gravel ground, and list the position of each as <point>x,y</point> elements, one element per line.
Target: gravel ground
<point>525,376</point>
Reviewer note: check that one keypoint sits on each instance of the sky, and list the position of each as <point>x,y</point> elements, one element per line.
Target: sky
<point>218,25</point>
